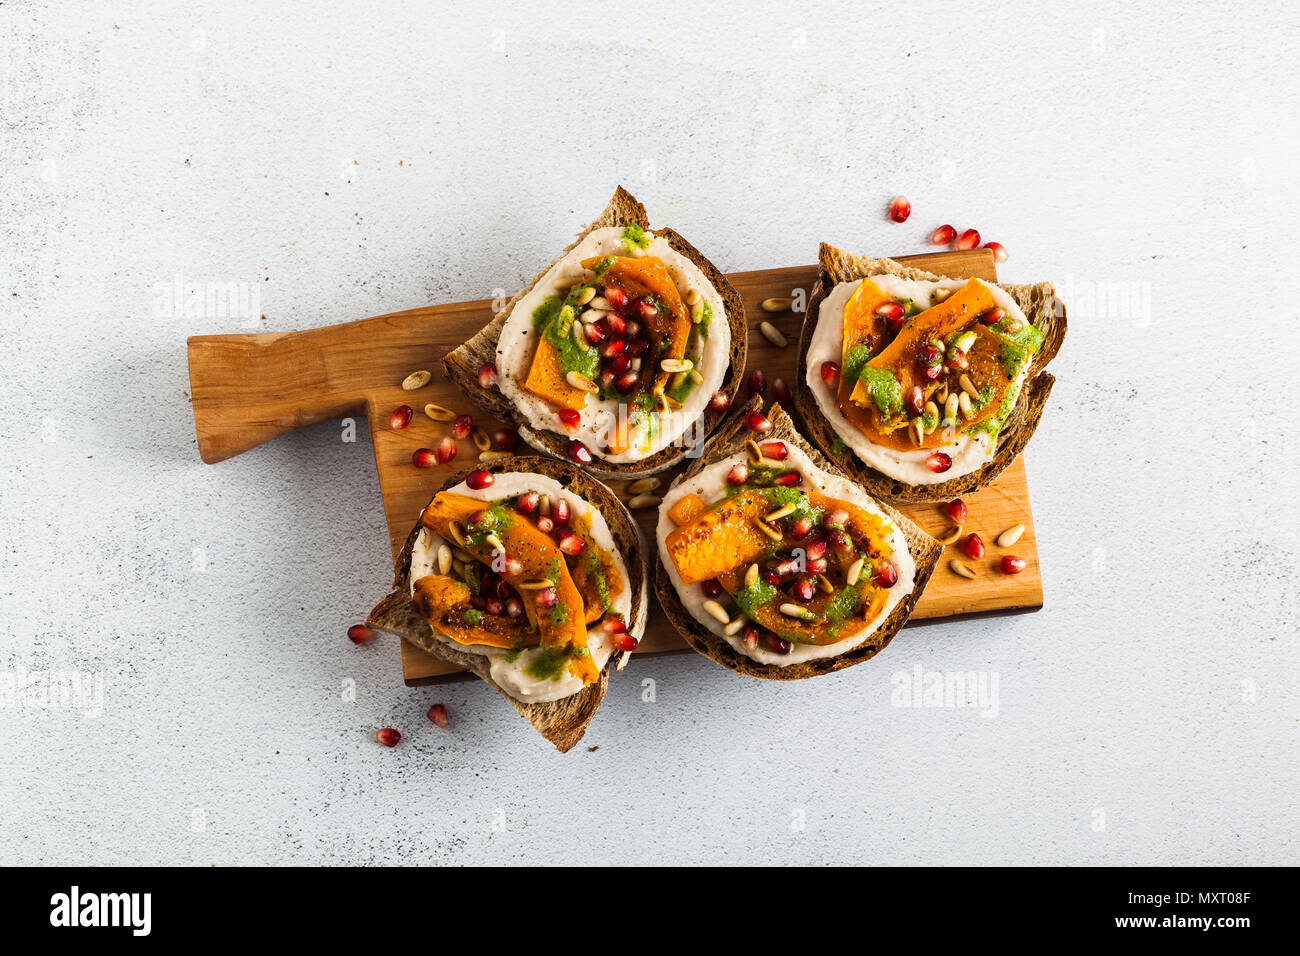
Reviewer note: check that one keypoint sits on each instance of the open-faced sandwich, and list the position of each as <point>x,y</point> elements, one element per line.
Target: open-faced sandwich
<point>620,355</point>
<point>922,387</point>
<point>774,564</point>
<point>530,574</point>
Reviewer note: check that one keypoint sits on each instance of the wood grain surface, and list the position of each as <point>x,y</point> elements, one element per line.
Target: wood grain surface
<point>247,389</point>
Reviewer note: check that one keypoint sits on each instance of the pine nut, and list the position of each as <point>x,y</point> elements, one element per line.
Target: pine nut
<point>773,334</point>
<point>735,626</point>
<point>457,533</point>
<point>439,413</point>
<point>644,501</point>
<point>586,295</point>
<point>692,297</point>
<point>495,543</point>
<point>718,611</point>
<point>854,572</point>
<point>768,530</point>
<point>824,583</point>
<point>444,559</point>
<point>968,386</point>
<point>951,535</point>
<point>932,413</point>
<point>1009,537</point>
<point>754,452</point>
<point>641,486</point>
<point>579,381</point>
<point>795,611</point>
<point>961,569</point>
<point>938,295</point>
<point>417,380</point>
<point>776,303</point>
<point>598,304</point>
<point>950,410</point>
<point>676,365</point>
<point>781,512</point>
<point>493,455</point>
<point>695,376</point>
<point>751,576</point>
<point>534,584</point>
<point>697,313</point>
<point>480,438</point>
<point>963,402</point>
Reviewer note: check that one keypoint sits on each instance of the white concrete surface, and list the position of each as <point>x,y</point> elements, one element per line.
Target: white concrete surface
<point>342,160</point>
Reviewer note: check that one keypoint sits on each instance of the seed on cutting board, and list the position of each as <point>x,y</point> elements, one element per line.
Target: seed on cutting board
<point>773,334</point>
<point>951,535</point>
<point>1013,565</point>
<point>961,569</point>
<point>777,303</point>
<point>718,612</point>
<point>494,455</point>
<point>854,572</point>
<point>400,417</point>
<point>644,501</point>
<point>1009,537</point>
<point>439,413</point>
<point>480,438</point>
<point>460,428</point>
<point>417,380</point>
<point>444,559</point>
<point>642,485</point>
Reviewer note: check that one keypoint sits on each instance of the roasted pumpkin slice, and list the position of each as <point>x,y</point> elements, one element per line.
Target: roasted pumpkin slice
<point>444,602</point>
<point>547,376</point>
<point>670,325</point>
<point>595,575</point>
<point>720,539</point>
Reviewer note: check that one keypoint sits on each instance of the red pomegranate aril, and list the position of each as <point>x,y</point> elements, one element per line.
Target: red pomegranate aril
<point>617,324</point>
<point>738,475</point>
<point>757,381</point>
<point>646,309</point>
<point>943,235</point>
<point>637,347</point>
<point>1013,565</point>
<point>711,588</point>
<point>446,450</point>
<point>494,606</point>
<point>780,391</point>
<point>800,528</point>
<point>969,239</point>
<point>758,422</point>
<point>625,642</point>
<point>388,736</point>
<point>999,251</point>
<point>992,316</point>
<point>438,714</point>
<point>606,377</point>
<point>514,607</point>
<point>479,478</point>
<point>959,360</point>
<point>929,355</point>
<point>616,297</point>
<point>803,588</point>
<point>579,453</point>
<point>973,546</point>
<point>503,589</point>
<point>614,625</point>
<point>560,510</point>
<point>572,544</point>
<point>614,346</point>
<point>400,417</point>
<point>720,402</point>
<point>932,373</point>
<point>957,510</point>
<point>770,576</point>
<point>836,518</point>
<point>424,458</point>
<point>460,428</point>
<point>547,597</point>
<point>478,518</point>
<point>778,645</point>
<point>503,439</point>
<point>487,375</point>
<point>939,462</point>
<point>594,333</point>
<point>915,400</point>
<point>526,503</point>
<point>360,634</point>
<point>620,364</point>
<point>815,549</point>
<point>633,328</point>
<point>890,310</point>
<point>750,636</point>
<point>569,418</point>
<point>900,209</point>
<point>776,450</point>
<point>788,479</point>
<point>839,540</point>
<point>830,372</point>
<point>626,382</point>
<point>886,574</point>
<point>544,524</point>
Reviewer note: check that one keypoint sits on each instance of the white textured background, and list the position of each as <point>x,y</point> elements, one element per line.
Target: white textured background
<point>344,161</point>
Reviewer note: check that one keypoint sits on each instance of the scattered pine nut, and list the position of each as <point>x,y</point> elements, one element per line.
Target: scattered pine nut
<point>751,576</point>
<point>439,413</point>
<point>961,569</point>
<point>534,584</point>
<point>480,438</point>
<point>776,303</point>
<point>579,381</point>
<point>718,612</point>
<point>676,365</point>
<point>642,485</point>
<point>444,559</point>
<point>1009,537</point>
<point>854,572</point>
<point>644,501</point>
<point>773,334</point>
<point>795,611</point>
<point>493,455</point>
<point>735,626</point>
<point>951,535</point>
<point>417,380</point>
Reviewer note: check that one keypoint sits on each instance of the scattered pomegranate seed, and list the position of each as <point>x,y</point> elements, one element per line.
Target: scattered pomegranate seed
<point>400,417</point>
<point>757,381</point>
<point>711,588</point>
<point>830,371</point>
<point>776,450</point>
<point>803,588</point>
<point>615,625</point>
<point>800,528</point>
<point>579,453</point>
<point>503,439</point>
<point>614,346</point>
<point>616,297</point>
<point>929,355</point>
<point>968,239</point>
<point>424,458</point>
<point>479,478</point>
<point>992,316</point>
<point>720,402</point>
<point>388,737</point>
<point>477,518</point>
<point>815,549</point>
<point>547,597</point>
<point>617,324</point>
<point>544,524</point>
<point>915,400</point>
<point>487,375</point>
<point>932,373</point>
<point>738,475</point>
<point>646,309</point>
<point>438,714</point>
<point>900,209</point>
<point>620,363</point>
<point>780,391</point>
<point>890,310</point>
<point>839,540</point>
<point>360,634</point>
<point>958,360</point>
<point>526,503</point>
<point>770,576</point>
<point>957,510</point>
<point>943,235</point>
<point>778,645</point>
<point>999,251</point>
<point>758,422</point>
<point>788,479</point>
<point>973,546</point>
<point>625,642</point>
<point>633,328</point>
<point>494,606</point>
<point>460,428</point>
<point>446,450</point>
<point>572,544</point>
<point>836,518</point>
<point>1013,565</point>
<point>560,510</point>
<point>750,636</point>
<point>626,382</point>
<point>569,419</point>
<point>886,574</point>
<point>594,333</point>
<point>939,462</point>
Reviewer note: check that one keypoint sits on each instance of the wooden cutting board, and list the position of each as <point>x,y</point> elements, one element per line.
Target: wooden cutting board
<point>247,389</point>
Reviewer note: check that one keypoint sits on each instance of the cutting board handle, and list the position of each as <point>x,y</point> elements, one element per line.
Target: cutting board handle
<point>248,389</point>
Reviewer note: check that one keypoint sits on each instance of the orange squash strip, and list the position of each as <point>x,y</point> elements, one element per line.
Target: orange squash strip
<point>648,275</point>
<point>722,538</point>
<point>546,379</point>
<point>688,508</point>
<point>442,600</point>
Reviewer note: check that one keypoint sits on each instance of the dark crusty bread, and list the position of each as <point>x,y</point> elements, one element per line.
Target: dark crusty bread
<point>1040,305</point>
<point>462,364</point>
<point>730,440</point>
<point>563,722</point>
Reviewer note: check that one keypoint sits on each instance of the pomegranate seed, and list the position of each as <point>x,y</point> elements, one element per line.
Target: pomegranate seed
<point>815,549</point>
<point>614,346</point>
<point>775,450</point>
<point>958,361</point>
<point>633,328</point>
<point>992,316</point>
<point>625,642</point>
<point>460,428</point>
<point>803,588</point>
<point>720,402</point>
<point>487,375</point>
<point>547,597</point>
<point>620,364</point>
<point>606,378</point>
<point>514,607</point>
<point>617,324</point>
<point>929,355</point>
<point>915,400</point>
<point>778,645</point>
<point>626,382</point>
<point>957,510</point>
<point>503,588</point>
<point>479,478</point>
<point>886,574</point>
<point>738,475</point>
<point>757,381</point>
<point>900,209</point>
<point>438,714</point>
<point>711,588</point>
<point>788,479</point>
<point>939,462</point>
<point>446,450</point>
<point>839,540</point>
<point>637,347</point>
<point>973,546</point>
<point>360,634</point>
<point>388,737</point>
<point>770,576</point>
<point>932,373</point>
<point>943,235</point>
<point>477,518</point>
<point>503,439</point>
<point>1013,565</point>
<point>579,453</point>
<point>890,311</point>
<point>837,518</point>
<point>780,391</point>
<point>544,524</point>
<point>758,422</point>
<point>750,636</point>
<point>572,544</point>
<point>424,458</point>
<point>526,503</point>
<point>569,419</point>
<point>800,528</point>
<point>616,297</point>
<point>560,510</point>
<point>615,625</point>
<point>400,417</point>
<point>968,239</point>
<point>494,607</point>
<point>830,371</point>
<point>999,251</point>
<point>594,333</point>
<point>646,309</point>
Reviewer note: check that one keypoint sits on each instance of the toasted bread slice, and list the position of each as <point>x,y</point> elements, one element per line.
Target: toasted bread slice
<point>925,551</point>
<point>1040,305</point>
<point>462,364</point>
<point>563,722</point>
